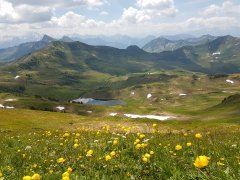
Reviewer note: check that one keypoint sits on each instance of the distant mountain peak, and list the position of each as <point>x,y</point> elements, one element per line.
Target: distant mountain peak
<point>47,38</point>
<point>66,39</point>
<point>134,48</point>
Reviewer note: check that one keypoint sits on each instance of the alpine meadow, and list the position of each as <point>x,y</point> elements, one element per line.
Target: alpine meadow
<point>115,90</point>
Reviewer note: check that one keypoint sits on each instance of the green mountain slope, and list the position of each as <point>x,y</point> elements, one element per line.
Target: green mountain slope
<point>16,52</point>
<point>163,44</point>
<point>221,55</point>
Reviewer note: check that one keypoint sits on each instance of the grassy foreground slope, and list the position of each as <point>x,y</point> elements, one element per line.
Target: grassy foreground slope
<point>64,146</point>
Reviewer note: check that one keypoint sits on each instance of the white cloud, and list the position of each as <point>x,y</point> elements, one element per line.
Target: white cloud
<point>133,15</point>
<point>155,4</point>
<point>104,13</point>
<point>59,3</point>
<point>23,13</point>
<point>73,20</point>
<point>212,22</point>
<point>227,8</point>
<point>158,7</point>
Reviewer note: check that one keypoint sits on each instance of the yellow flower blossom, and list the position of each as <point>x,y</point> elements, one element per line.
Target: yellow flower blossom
<point>220,163</point>
<point>115,142</point>
<point>151,152</point>
<point>66,134</point>
<point>201,162</point>
<point>147,155</point>
<point>154,125</point>
<point>198,136</point>
<point>90,153</point>
<point>178,147</point>
<point>141,136</point>
<point>69,170</point>
<point>27,178</point>
<point>75,146</point>
<point>138,146</point>
<point>189,144</point>
<point>108,158</point>
<point>61,160</point>
<point>36,177</point>
<point>145,159</point>
<point>113,153</point>
<point>65,176</point>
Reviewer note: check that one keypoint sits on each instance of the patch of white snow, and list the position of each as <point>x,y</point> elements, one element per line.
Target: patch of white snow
<point>182,94</point>
<point>113,114</point>
<point>161,118</point>
<point>60,108</point>
<point>149,96</point>
<point>230,81</point>
<point>17,77</point>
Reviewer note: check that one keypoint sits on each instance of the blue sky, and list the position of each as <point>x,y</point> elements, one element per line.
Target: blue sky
<point>127,17</point>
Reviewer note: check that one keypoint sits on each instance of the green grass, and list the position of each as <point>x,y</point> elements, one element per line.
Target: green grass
<point>32,144</point>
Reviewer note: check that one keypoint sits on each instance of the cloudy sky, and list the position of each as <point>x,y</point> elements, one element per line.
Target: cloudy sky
<point>127,17</point>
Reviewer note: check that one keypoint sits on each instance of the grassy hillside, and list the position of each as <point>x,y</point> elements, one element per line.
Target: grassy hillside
<point>56,145</point>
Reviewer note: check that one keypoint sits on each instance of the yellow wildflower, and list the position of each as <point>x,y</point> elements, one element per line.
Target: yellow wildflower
<point>65,176</point>
<point>151,152</point>
<point>154,125</point>
<point>36,177</point>
<point>115,142</point>
<point>141,136</point>
<point>113,153</point>
<point>147,155</point>
<point>201,162</point>
<point>61,160</point>
<point>108,158</point>
<point>138,146</point>
<point>90,152</point>
<point>145,159</point>
<point>220,163</point>
<point>198,136</point>
<point>189,144</point>
<point>27,178</point>
<point>178,147</point>
<point>66,134</point>
<point>75,146</point>
<point>69,170</point>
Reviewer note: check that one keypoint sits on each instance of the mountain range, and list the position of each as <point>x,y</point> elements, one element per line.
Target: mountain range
<point>207,54</point>
<point>170,44</point>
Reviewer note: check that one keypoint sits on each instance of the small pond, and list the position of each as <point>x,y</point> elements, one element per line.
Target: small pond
<point>103,102</point>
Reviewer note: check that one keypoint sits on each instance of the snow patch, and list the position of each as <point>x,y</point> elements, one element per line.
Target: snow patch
<point>216,53</point>
<point>149,96</point>
<point>10,100</point>
<point>17,77</point>
<point>161,118</point>
<point>182,94</point>
<point>113,114</point>
<point>132,93</point>
<point>2,106</point>
<point>230,81</point>
<point>60,108</point>
<point>9,107</point>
